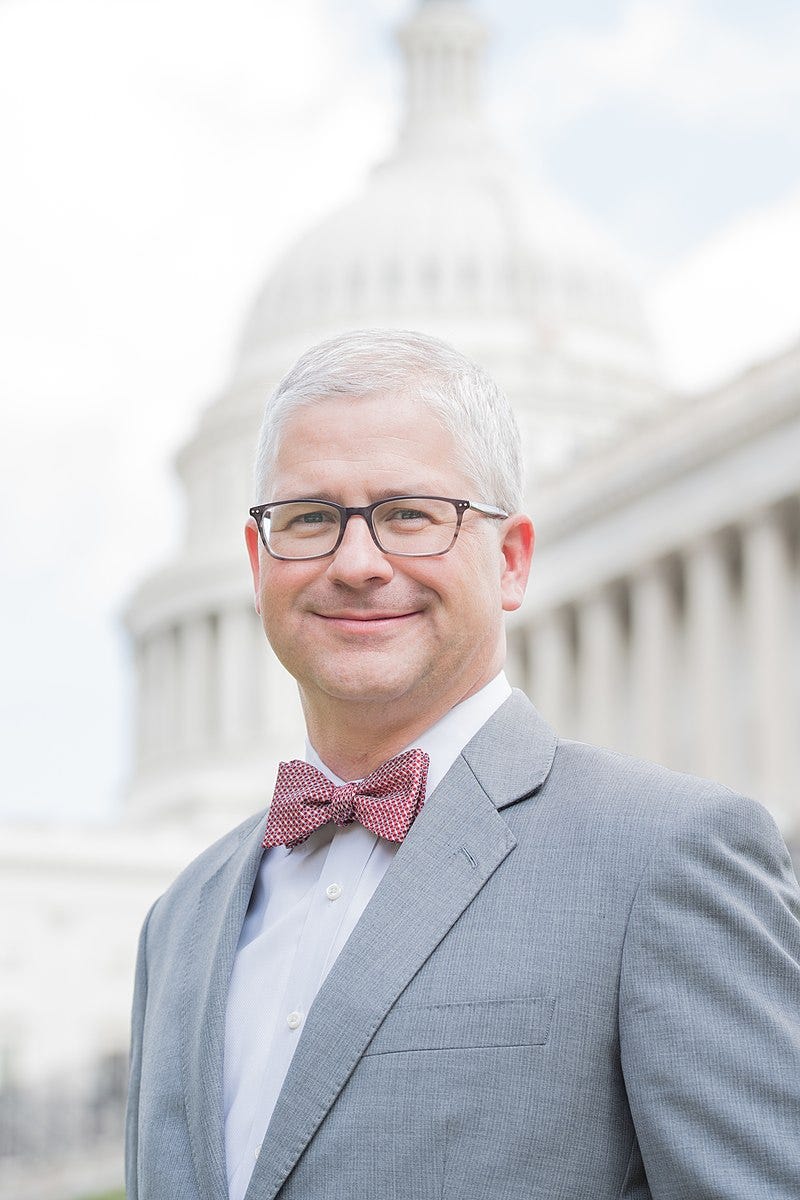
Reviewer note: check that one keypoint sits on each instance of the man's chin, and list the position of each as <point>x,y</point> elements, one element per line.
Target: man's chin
<point>368,687</point>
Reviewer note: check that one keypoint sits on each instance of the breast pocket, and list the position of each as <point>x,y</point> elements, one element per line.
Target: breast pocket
<point>465,1025</point>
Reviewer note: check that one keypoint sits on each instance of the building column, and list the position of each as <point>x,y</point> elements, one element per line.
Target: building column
<point>235,672</point>
<point>146,701</point>
<point>163,699</point>
<point>601,655</point>
<point>551,669</point>
<point>281,725</point>
<point>195,683</point>
<point>651,660</point>
<point>767,595</point>
<point>708,639</point>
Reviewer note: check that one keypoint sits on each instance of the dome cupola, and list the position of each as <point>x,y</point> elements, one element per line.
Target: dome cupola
<point>443,46</point>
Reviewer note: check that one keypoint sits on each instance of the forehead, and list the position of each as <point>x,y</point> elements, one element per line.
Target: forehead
<point>383,441</point>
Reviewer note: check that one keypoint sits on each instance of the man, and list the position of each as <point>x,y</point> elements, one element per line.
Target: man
<point>499,966</point>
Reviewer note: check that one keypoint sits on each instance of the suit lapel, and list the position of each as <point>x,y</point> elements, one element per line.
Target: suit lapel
<point>209,959</point>
<point>512,754</point>
<point>453,848</point>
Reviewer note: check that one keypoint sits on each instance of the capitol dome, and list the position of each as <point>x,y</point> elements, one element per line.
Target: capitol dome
<point>464,245</point>
<point>449,237</point>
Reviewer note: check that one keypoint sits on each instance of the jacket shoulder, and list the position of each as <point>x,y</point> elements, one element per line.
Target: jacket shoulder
<point>183,891</point>
<point>620,779</point>
<point>519,755</point>
<point>633,798</point>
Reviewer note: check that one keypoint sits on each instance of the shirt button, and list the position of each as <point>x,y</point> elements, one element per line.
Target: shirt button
<point>294,1020</point>
<point>333,891</point>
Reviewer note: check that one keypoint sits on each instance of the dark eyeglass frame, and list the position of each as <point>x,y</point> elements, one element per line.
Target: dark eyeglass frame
<point>346,512</point>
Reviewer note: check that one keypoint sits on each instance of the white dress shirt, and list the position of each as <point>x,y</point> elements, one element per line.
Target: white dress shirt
<point>305,904</point>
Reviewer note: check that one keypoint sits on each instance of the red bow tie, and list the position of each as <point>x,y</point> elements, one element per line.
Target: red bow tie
<point>386,802</point>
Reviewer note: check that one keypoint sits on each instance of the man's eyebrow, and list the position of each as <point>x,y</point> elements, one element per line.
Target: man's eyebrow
<point>386,493</point>
<point>287,496</point>
<point>377,494</point>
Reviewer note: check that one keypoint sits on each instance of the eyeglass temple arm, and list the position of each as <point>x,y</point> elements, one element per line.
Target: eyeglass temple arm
<point>489,510</point>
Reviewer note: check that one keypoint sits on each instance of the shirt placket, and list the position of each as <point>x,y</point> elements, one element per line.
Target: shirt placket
<point>331,902</point>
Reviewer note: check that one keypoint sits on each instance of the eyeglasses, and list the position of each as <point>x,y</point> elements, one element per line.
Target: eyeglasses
<point>410,526</point>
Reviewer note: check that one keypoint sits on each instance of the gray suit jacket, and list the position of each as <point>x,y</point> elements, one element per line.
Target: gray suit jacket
<point>578,980</point>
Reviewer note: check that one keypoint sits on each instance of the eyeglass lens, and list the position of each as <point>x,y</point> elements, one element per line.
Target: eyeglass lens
<point>413,525</point>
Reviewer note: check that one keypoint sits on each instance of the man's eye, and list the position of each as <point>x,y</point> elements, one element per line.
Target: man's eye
<point>408,518</point>
<point>312,518</point>
<point>300,520</point>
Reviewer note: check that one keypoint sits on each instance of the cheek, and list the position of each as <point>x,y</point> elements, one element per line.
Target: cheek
<point>482,571</point>
<point>275,597</point>
<point>287,592</point>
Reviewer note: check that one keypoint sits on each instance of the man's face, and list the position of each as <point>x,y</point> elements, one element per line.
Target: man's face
<point>361,626</point>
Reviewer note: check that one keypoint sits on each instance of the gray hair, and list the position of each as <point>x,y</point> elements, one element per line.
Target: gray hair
<point>466,401</point>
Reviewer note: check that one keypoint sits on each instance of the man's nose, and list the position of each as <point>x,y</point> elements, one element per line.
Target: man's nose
<point>358,560</point>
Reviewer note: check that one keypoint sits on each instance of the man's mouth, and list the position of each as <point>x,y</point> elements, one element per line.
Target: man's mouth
<point>366,619</point>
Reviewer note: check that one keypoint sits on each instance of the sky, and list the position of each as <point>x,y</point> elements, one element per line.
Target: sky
<point>156,158</point>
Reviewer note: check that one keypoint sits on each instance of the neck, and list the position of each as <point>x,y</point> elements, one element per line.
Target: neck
<point>354,739</point>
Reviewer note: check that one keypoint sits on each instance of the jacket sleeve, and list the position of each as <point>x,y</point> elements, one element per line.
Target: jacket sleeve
<point>135,1069</point>
<point>709,1012</point>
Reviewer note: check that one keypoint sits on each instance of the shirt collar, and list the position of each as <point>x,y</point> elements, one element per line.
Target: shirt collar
<point>445,740</point>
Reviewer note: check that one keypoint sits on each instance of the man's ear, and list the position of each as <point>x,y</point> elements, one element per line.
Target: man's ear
<point>517,552</point>
<point>254,554</point>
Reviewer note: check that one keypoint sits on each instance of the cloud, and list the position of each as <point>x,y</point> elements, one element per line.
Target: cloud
<point>670,55</point>
<point>734,301</point>
<point>133,133</point>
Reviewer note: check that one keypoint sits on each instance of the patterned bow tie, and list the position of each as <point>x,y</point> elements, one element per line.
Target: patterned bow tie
<point>386,802</point>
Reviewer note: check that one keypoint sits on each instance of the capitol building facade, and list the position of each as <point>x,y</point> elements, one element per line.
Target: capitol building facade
<point>663,614</point>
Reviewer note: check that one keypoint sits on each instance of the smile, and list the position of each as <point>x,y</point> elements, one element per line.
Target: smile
<point>366,622</point>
